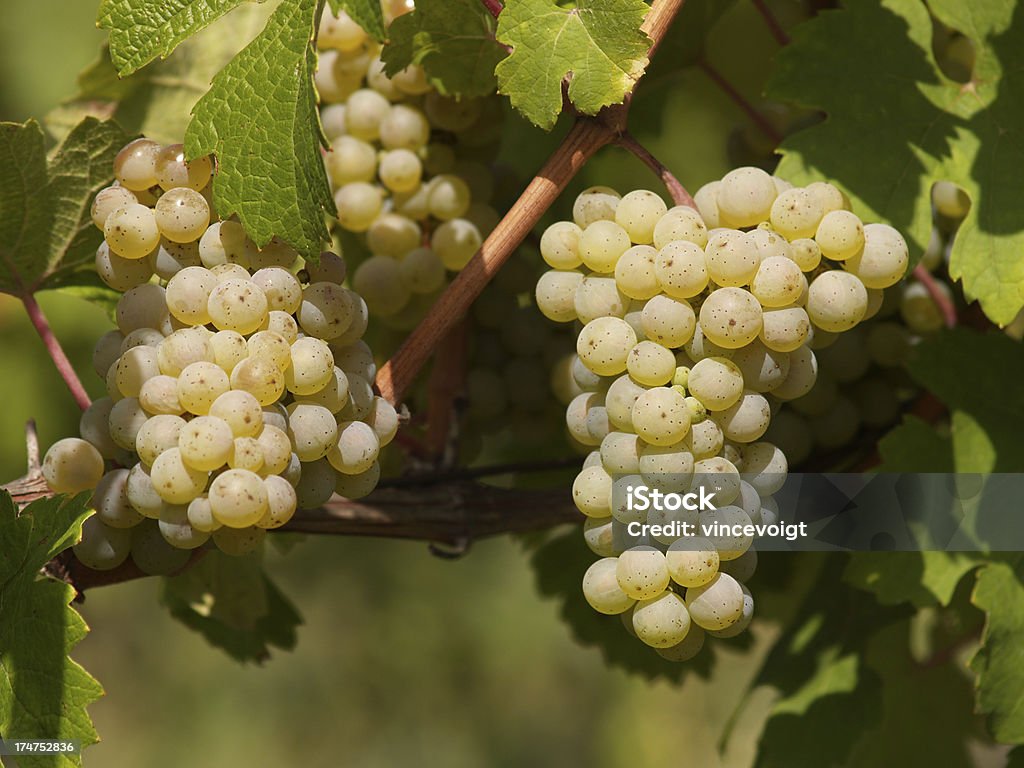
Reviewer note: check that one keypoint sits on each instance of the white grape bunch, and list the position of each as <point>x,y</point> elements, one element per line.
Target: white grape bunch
<point>692,327</point>
<point>238,383</point>
<point>409,171</point>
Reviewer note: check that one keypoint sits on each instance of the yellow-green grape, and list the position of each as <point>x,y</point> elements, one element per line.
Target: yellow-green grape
<point>602,244</point>
<point>283,324</point>
<point>276,449</point>
<point>642,572</point>
<point>680,223</point>
<point>311,369</point>
<point>661,417</point>
<point>716,604</point>
<point>110,500</point>
<point>619,401</point>
<point>685,650</point>
<point>229,349</point>
<point>604,345</point>
<point>236,542</point>
<point>451,114</point>
<point>142,337</point>
<point>200,516</point>
<point>173,171</point>
<point>949,200</point>
<point>379,281</point>
<point>746,420</point>
<point>144,306</point>
<point>276,415</point>
<point>455,242</point>
<point>638,213</point>
<point>356,448</point>
<point>559,245</point>
<point>229,271</point>
<point>745,197</point>
<point>805,253</point>
<point>225,242</point>
<point>784,330</point>
<point>246,454</point>
<point>110,382</point>
<point>188,293</point>
<point>281,502</point>
<point>316,483</point>
<point>803,372</point>
<point>94,426</point>
<point>200,384</point>
<point>134,368</point>
<point>601,588</point>
<point>360,320</point>
<point>681,269</point>
<point>595,204</point>
<point>719,475</point>
<point>182,214</point>
<point>778,282</point>
<point>152,554</point>
<point>272,346</point>
<point>174,481</point>
<point>108,200</point>
<point>731,258</point>
<point>763,369</point>
<point>177,529</point>
<point>597,532</point>
<point>717,382</point>
<point>132,231</point>
<point>422,270</point>
<point>731,317</point>
<point>237,305</point>
<point>662,621</point>
<point>668,321</point>
<point>599,296</point>
<point>205,443</point>
<point>326,310</point>
<point>340,32</point>
<point>650,363</point>
<point>358,204</point>
<point>743,622</point>
<point>350,160</point>
<point>392,235</point>
<point>333,396</point>
<point>836,301</point>
<point>126,419</point>
<point>919,310</point>
<point>157,435</point>
<point>592,492</point>
<point>119,273</point>
<point>141,493</point>
<point>796,213</point>
<point>72,465</point>
<point>828,196</point>
<point>261,378</point>
<point>620,453</point>
<point>884,259</point>
<point>556,294</point>
<point>282,290</point>
<point>576,415</point>
<point>365,110</point>
<point>706,199</point>
<point>312,429</point>
<point>400,170</point>
<point>357,486</point>
<point>669,467</point>
<point>102,547</point>
<point>135,164</point>
<point>276,253</point>
<point>412,204</point>
<point>106,352</point>
<point>238,498</point>
<point>383,420</point>
<point>404,127</point>
<point>636,274</point>
<point>840,235</point>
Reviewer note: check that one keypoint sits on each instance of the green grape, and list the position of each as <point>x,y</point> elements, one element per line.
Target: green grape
<point>731,317</point>
<point>764,467</point>
<point>246,454</point>
<point>94,427</point>
<point>598,296</point>
<point>358,486</point>
<point>326,311</point>
<point>805,253</point>
<point>681,269</point>
<point>404,127</point>
<point>356,448</point>
<point>667,467</point>
<point>177,531</point>
<point>131,231</point>
<point>182,214</point>
<point>763,369</point>
<point>358,204</point>
<point>393,235</point>
<point>745,617</point>
<point>205,443</point>
<point>238,498</point>
<point>157,435</point>
<point>106,352</point>
<point>668,321</point>
<point>225,242</point>
<point>275,448</point>
<point>400,170</point>
<point>72,465</point>
<point>680,223</point>
<point>174,481</point>
<point>228,349</point>
<point>330,268</point>
<point>635,272</point>
<point>422,270</point>
<point>884,259</point>
<point>237,305</point>
<point>311,369</point>
<point>745,197</point>
<point>604,345</point>
<point>225,272</point>
<point>746,420</point>
<point>592,491</point>
<point>119,273</point>
<point>717,382</point>
<point>236,542</point>
<point>135,164</point>
<point>282,290</point>
<point>661,417</point>
<point>108,200</point>
<point>316,484</point>
<point>144,306</point>
<point>704,440</point>
<point>685,650</point>
<point>692,561</point>
<point>333,396</point>
<point>282,324</point>
<point>281,503</point>
<point>188,294</point>
<point>577,415</point>
<point>379,281</point>
<point>619,400</point>
<point>102,547</point>
<point>803,372</point>
<point>173,171</point>
<point>199,384</point>
<point>796,214</point>
<point>134,368</point>
<point>126,419</point>
<point>597,532</point>
<point>559,245</point>
<point>601,588</point>
<point>650,363</point>
<point>706,199</point>
<point>261,378</point>
<point>778,282</point>
<point>456,242</point>
<point>662,621</point>
<point>448,197</point>
<point>350,160</point>
<point>602,244</point>
<point>152,554</point>
<point>790,432</point>
<point>785,329</point>
<point>731,257</point>
<point>312,429</point>
<point>840,235</point>
<point>141,493</point>
<point>949,200</point>
<point>829,197</point>
<point>595,204</point>
<point>638,213</point>
<point>836,301</point>
<point>200,516</point>
<point>716,604</point>
<point>271,346</point>
<point>642,572</point>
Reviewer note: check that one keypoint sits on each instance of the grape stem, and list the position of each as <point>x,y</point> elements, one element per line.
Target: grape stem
<point>740,100</point>
<point>494,7</point>
<point>942,301</point>
<point>53,347</point>
<point>773,23</point>
<point>585,138</point>
<point>675,189</point>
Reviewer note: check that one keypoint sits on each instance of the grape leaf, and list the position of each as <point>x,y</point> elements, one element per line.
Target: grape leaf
<point>157,100</point>
<point>999,663</point>
<point>598,41</point>
<point>896,124</point>
<point>366,13</point>
<point>920,578</point>
<point>453,40</point>
<point>141,30</point>
<point>234,605</point>
<point>260,119</point>
<point>43,693</point>
<point>46,232</point>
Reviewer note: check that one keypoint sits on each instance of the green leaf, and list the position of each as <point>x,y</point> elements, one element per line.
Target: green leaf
<point>366,13</point>
<point>920,578</point>
<point>453,40</point>
<point>260,118</point>
<point>45,228</point>
<point>915,446</point>
<point>896,124</point>
<point>999,663</point>
<point>234,605</point>
<point>141,30</point>
<point>157,101</point>
<point>598,41</point>
<point>43,693</point>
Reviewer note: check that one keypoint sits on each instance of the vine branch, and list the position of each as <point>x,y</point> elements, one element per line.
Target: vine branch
<point>675,189</point>
<point>53,347</point>
<point>780,35</point>
<point>584,139</point>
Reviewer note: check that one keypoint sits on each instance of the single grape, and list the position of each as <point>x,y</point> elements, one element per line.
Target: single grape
<point>311,369</point>
<point>182,214</point>
<point>884,259</point>
<point>602,244</point>
<point>238,498</point>
<point>745,197</point>
<point>599,296</point>
<point>261,378</point>
<point>173,171</point>
<point>237,305</point>
<point>681,269</point>
<point>836,301</point>
<point>638,213</point>
<point>199,384</point>
<point>358,204</point>
<point>636,274</point>
<point>135,164</point>
<point>559,245</point>
<point>642,572</point>
<point>132,231</point>
<point>680,223</point>
<point>456,241</point>
<point>357,486</point>
<point>72,465</point>
<point>604,345</point>
<point>662,621</point>
<point>379,281</point>
<point>660,416</point>
<point>326,311</point>
<point>102,547</point>
<point>840,235</point>
<point>784,330</point>
<point>650,363</point>
<point>175,481</point>
<point>119,273</point>
<point>601,588</point>
<point>108,200</point>
<point>731,317</point>
<point>732,258</point>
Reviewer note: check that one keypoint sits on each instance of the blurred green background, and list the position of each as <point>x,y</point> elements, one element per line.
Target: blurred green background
<point>404,659</point>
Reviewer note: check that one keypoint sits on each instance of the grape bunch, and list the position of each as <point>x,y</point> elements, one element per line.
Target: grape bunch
<point>235,393</point>
<point>689,321</point>
<point>409,171</point>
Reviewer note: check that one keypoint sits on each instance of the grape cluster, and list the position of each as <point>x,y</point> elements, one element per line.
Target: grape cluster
<point>690,321</point>
<point>408,168</point>
<point>235,393</point>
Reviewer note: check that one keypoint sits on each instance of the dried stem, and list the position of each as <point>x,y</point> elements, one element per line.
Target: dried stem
<point>585,138</point>
<point>64,367</point>
<point>942,301</point>
<point>741,101</point>
<point>780,35</point>
<point>675,189</point>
